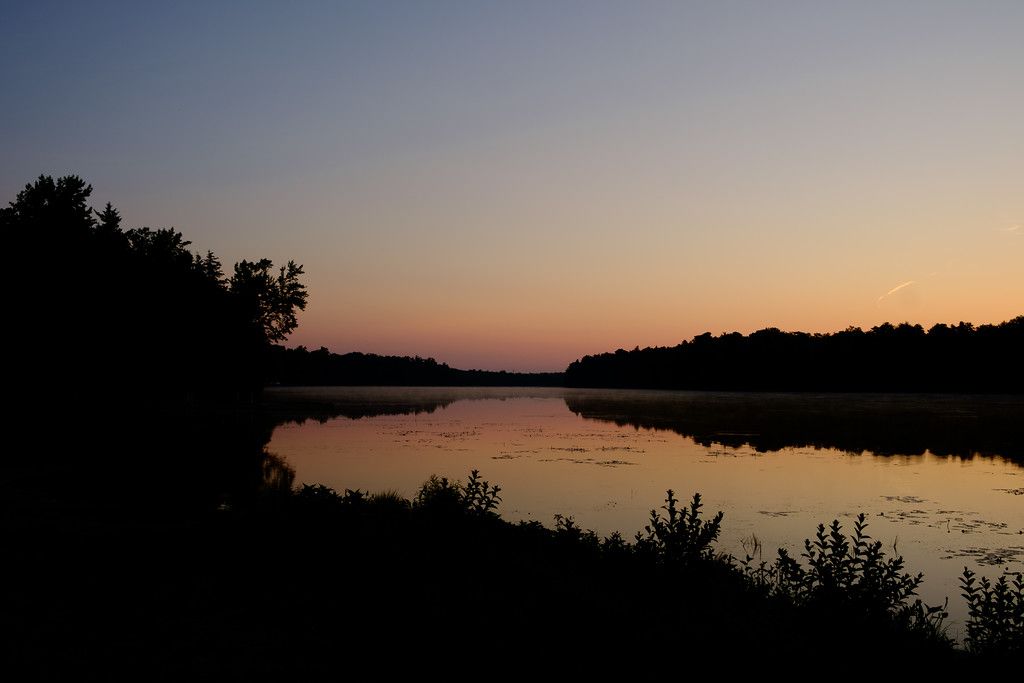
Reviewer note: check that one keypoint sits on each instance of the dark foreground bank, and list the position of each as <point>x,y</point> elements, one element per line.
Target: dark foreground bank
<point>183,552</point>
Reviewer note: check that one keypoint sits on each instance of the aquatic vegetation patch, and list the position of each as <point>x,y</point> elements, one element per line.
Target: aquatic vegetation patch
<point>458,435</point>
<point>589,461</point>
<point>988,556</point>
<point>1012,492</point>
<point>905,499</point>
<point>966,526</point>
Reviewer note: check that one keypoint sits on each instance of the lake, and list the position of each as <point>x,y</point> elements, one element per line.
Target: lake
<point>941,478</point>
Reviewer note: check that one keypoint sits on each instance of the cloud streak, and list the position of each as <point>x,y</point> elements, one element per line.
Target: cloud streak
<point>894,290</point>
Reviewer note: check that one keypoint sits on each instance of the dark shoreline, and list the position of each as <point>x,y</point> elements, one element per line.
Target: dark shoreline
<point>181,551</point>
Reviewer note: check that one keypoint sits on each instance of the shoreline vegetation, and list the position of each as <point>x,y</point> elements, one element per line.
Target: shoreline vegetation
<point>298,581</point>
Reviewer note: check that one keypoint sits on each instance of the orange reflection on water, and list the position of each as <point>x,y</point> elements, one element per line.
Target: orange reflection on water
<point>941,512</point>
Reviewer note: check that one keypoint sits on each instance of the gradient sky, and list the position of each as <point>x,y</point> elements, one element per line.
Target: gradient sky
<point>513,185</point>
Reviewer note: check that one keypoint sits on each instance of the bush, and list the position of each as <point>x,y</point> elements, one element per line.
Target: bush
<point>570,533</point>
<point>390,500</point>
<point>479,497</point>
<point>476,497</point>
<point>320,496</point>
<point>681,537</point>
<point>995,613</point>
<point>854,579</point>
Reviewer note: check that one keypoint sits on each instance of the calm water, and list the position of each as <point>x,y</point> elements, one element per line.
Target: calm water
<point>942,478</point>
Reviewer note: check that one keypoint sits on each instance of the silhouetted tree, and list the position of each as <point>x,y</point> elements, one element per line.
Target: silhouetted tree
<point>270,301</point>
<point>110,309</point>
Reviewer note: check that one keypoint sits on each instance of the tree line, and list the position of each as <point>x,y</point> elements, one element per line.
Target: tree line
<point>101,308</point>
<point>302,367</point>
<point>105,309</point>
<point>901,358</point>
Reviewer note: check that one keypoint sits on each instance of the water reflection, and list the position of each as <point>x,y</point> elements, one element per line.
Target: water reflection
<point>936,475</point>
<point>298,404</point>
<point>882,424</point>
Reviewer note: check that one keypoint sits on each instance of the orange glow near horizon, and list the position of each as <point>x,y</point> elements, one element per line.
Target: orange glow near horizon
<point>546,339</point>
<point>479,281</point>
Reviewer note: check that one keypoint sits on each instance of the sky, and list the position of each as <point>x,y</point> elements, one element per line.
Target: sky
<point>515,185</point>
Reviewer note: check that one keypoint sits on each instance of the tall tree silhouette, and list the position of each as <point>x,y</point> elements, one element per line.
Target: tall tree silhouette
<point>107,309</point>
<point>270,301</point>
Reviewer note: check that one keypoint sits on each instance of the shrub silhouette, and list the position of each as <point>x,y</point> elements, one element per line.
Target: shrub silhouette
<point>995,613</point>
<point>568,532</point>
<point>851,576</point>
<point>479,497</point>
<point>390,499</point>
<point>439,494</point>
<point>325,498</point>
<point>682,537</point>
<point>476,497</point>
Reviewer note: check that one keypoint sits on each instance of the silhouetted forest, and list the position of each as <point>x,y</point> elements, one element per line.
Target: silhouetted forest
<point>301,367</point>
<point>904,357</point>
<point>104,309</point>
